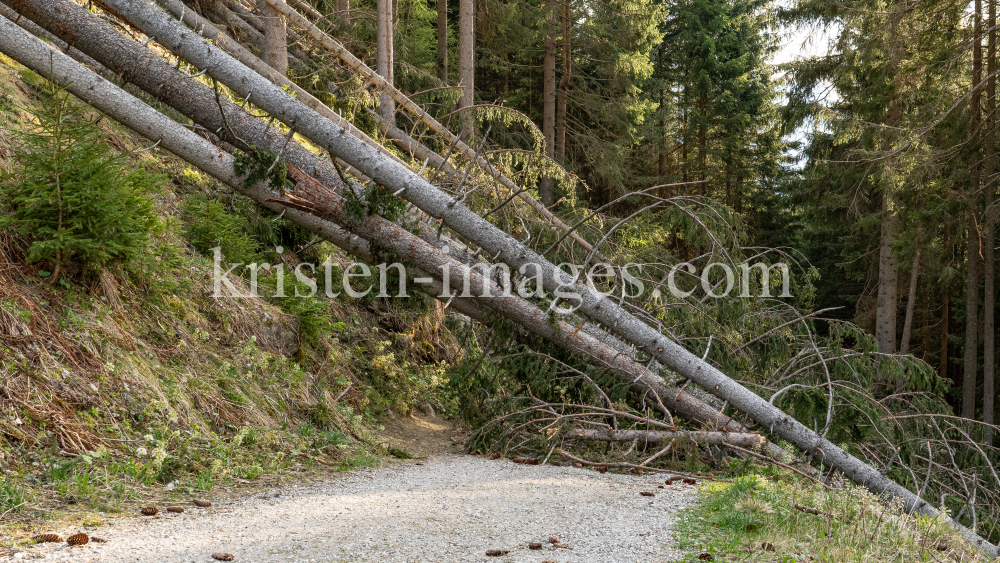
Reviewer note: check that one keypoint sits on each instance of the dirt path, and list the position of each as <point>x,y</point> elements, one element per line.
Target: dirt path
<point>448,508</point>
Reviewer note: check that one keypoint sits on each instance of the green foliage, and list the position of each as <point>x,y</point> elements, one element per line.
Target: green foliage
<point>259,164</point>
<point>78,201</point>
<point>12,496</point>
<point>377,200</point>
<point>209,224</point>
<point>752,518</point>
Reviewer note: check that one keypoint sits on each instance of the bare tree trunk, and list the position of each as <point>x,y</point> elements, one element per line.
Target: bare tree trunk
<point>743,440</point>
<point>904,346</point>
<point>549,100</point>
<point>384,57</point>
<point>442,37</point>
<point>467,63</point>
<point>888,283</point>
<point>563,94</point>
<point>467,223</point>
<point>989,226</point>
<point>275,46</point>
<point>945,317</point>
<point>971,360</point>
<point>344,11</point>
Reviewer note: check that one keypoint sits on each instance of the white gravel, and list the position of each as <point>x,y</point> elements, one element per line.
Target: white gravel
<point>446,509</point>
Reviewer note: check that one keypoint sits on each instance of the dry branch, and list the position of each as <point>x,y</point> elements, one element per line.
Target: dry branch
<point>745,439</point>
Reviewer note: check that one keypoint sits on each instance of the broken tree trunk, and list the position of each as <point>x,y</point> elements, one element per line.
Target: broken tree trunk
<point>199,152</point>
<point>743,440</point>
<point>467,223</point>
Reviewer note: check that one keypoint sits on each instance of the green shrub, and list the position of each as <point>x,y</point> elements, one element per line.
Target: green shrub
<point>12,496</point>
<point>72,195</point>
<point>209,224</point>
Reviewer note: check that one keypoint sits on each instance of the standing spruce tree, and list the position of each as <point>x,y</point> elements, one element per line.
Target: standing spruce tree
<point>72,196</point>
<point>717,120</point>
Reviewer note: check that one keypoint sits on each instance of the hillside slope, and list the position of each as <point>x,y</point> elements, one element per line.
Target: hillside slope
<point>115,385</point>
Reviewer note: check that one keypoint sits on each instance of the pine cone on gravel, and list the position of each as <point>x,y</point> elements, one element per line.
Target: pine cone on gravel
<point>647,494</point>
<point>561,546</point>
<point>223,556</point>
<point>202,502</point>
<point>149,511</point>
<point>554,539</point>
<point>78,539</point>
<point>47,538</point>
<point>534,545</point>
<point>496,552</point>
<point>96,539</point>
<point>175,509</point>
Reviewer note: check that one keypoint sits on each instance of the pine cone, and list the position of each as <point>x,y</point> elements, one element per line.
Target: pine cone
<point>223,556</point>
<point>175,509</point>
<point>150,511</point>
<point>96,539</point>
<point>202,502</point>
<point>47,538</point>
<point>647,494</point>
<point>78,539</point>
<point>534,545</point>
<point>496,552</point>
<point>554,539</point>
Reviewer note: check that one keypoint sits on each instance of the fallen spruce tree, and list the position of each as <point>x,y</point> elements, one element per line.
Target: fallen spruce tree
<point>359,66</point>
<point>590,303</point>
<point>423,254</point>
<point>488,237</point>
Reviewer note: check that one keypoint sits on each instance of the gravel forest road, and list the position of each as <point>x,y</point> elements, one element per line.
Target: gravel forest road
<point>448,508</point>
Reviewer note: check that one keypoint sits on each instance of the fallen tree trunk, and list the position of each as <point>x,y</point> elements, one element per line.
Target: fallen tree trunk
<point>430,260</point>
<point>744,439</point>
<point>467,223</point>
<point>242,54</point>
<point>336,48</point>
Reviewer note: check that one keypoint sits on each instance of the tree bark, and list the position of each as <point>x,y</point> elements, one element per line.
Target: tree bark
<point>442,38</point>
<point>743,440</point>
<point>209,31</point>
<point>467,63</point>
<point>563,94</point>
<point>384,57</point>
<point>989,228</point>
<point>945,317</point>
<point>549,100</point>
<point>888,282</point>
<point>904,346</point>
<point>344,11</point>
<point>971,358</point>
<point>464,221</point>
<point>970,367</point>
<point>275,46</point>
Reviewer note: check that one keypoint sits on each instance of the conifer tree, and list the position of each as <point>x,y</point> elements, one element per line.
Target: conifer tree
<point>77,201</point>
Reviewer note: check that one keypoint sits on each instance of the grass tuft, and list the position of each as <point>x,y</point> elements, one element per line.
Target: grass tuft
<point>754,518</point>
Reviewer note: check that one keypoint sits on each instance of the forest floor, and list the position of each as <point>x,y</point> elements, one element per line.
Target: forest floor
<point>440,506</point>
